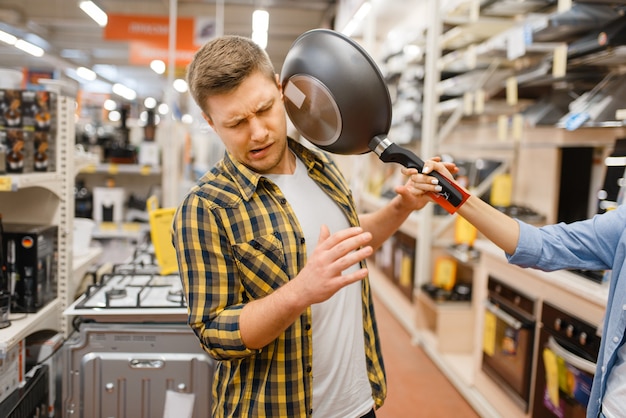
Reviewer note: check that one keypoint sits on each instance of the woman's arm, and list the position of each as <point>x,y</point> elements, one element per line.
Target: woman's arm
<point>499,228</point>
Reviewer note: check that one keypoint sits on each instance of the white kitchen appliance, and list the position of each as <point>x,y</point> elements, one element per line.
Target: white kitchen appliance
<point>133,347</point>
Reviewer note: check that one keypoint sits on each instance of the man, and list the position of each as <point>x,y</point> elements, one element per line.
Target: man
<point>595,244</point>
<point>272,254</point>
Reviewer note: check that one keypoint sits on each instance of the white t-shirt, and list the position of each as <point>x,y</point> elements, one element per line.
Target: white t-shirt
<point>341,388</point>
<point>615,396</point>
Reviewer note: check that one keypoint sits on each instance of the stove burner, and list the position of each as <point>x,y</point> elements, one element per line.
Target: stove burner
<point>176,296</point>
<point>114,293</point>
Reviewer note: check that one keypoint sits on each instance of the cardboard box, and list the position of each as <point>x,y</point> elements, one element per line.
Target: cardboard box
<point>31,265</point>
<point>10,108</point>
<point>44,347</point>
<point>18,145</point>
<point>39,110</point>
<point>12,368</point>
<point>108,204</point>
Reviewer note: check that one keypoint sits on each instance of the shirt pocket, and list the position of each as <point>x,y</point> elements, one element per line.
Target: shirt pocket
<point>261,263</point>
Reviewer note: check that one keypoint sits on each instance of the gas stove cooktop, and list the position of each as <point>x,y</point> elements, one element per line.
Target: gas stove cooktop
<point>133,292</point>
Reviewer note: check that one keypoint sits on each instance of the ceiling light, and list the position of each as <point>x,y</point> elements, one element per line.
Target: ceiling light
<point>110,105</point>
<point>163,109</point>
<point>150,102</point>
<point>357,19</point>
<point>86,73</point>
<point>94,12</point>
<point>260,20</point>
<point>29,48</point>
<point>260,25</point>
<point>115,116</point>
<point>157,66</point>
<point>180,85</point>
<point>7,38</point>
<point>125,92</point>
<point>260,38</point>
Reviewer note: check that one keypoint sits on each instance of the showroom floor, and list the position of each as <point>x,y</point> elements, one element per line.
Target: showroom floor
<point>416,387</point>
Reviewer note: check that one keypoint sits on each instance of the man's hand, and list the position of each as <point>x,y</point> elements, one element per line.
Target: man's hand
<point>322,275</point>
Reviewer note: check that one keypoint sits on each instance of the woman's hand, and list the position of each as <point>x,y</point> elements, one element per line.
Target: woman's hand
<point>421,184</point>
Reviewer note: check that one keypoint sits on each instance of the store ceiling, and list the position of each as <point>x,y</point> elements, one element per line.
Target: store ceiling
<point>73,39</point>
<point>77,39</point>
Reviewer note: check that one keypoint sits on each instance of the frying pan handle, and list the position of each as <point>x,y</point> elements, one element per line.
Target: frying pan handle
<point>451,197</point>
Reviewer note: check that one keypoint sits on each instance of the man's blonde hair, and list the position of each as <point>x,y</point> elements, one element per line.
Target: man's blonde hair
<point>222,64</point>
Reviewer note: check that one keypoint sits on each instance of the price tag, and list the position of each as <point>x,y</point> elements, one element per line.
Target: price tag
<point>107,226</point>
<point>131,226</point>
<point>559,61</point>
<point>145,170</point>
<point>489,334</point>
<point>511,91</point>
<point>5,183</point>
<point>114,169</point>
<point>91,168</point>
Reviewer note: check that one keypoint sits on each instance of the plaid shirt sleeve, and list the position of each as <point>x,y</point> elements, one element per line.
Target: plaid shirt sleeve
<point>207,269</point>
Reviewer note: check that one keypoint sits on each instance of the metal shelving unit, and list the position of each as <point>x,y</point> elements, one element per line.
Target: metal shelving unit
<point>46,198</point>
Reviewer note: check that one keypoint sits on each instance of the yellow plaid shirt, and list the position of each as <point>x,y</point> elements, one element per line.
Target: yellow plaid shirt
<point>237,239</point>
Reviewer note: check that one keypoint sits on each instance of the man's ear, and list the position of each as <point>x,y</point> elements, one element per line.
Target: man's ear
<point>208,119</point>
<point>280,87</point>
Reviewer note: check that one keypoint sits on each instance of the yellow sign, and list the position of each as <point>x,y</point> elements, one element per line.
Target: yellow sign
<point>489,334</point>
<point>5,183</point>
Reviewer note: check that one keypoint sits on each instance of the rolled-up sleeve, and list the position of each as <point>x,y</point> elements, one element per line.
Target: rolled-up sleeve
<point>588,244</point>
<point>210,280</point>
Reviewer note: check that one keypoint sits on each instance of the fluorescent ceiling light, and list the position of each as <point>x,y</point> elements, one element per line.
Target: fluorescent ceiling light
<point>260,38</point>
<point>260,25</point>
<point>94,12</point>
<point>125,92</point>
<point>86,73</point>
<point>7,38</point>
<point>180,85</point>
<point>110,105</point>
<point>357,19</point>
<point>29,48</point>
<point>260,20</point>
<point>150,103</point>
<point>157,66</point>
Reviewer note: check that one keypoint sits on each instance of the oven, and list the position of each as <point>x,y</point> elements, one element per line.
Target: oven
<point>568,352</point>
<point>132,353</point>
<point>508,340</point>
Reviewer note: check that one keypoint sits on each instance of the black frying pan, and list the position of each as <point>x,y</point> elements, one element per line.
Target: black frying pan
<point>337,99</point>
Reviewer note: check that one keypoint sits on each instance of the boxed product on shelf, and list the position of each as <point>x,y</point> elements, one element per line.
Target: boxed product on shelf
<point>10,108</point>
<point>31,398</point>
<point>31,265</point>
<point>108,204</point>
<point>39,110</point>
<point>18,144</point>
<point>44,154</point>
<point>12,368</point>
<point>44,347</point>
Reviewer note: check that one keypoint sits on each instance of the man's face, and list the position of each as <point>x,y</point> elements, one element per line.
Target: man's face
<point>252,124</point>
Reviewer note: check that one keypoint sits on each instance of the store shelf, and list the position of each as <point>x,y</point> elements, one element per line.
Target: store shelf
<point>22,325</point>
<point>14,182</point>
<point>124,230</point>
<point>113,169</point>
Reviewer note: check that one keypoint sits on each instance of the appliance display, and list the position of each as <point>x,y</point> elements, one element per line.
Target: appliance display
<point>566,364</point>
<point>508,340</point>
<point>133,347</point>
<point>31,259</point>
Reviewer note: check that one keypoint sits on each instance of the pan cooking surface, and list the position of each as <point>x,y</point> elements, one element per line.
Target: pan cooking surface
<point>313,110</point>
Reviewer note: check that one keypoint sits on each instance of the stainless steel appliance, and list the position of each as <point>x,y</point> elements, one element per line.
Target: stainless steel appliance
<point>566,364</point>
<point>508,340</point>
<point>132,347</point>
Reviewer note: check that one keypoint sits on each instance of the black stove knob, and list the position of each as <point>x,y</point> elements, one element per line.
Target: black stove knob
<point>582,338</point>
<point>557,324</point>
<point>570,330</point>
